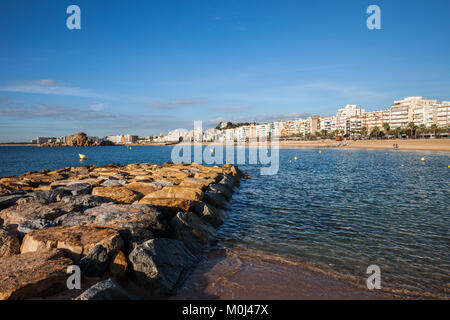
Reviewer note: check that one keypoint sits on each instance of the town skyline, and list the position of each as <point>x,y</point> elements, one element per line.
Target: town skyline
<point>146,68</point>
<point>348,120</point>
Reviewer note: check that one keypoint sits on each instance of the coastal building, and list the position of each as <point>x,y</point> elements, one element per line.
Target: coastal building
<point>344,113</point>
<point>115,139</point>
<point>353,125</point>
<point>40,140</point>
<point>442,113</point>
<point>411,109</point>
<point>229,135</point>
<point>374,119</point>
<point>129,138</point>
<point>328,123</point>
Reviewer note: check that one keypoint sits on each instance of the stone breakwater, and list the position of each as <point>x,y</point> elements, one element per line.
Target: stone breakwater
<point>134,226</point>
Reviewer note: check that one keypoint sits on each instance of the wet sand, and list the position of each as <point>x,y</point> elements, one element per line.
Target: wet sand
<point>247,274</point>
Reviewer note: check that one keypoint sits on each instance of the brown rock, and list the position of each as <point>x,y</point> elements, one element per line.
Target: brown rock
<point>9,244</point>
<point>141,188</point>
<point>118,193</point>
<point>33,274</point>
<point>119,265</point>
<point>170,206</point>
<point>211,175</point>
<point>177,192</point>
<point>196,183</point>
<point>76,241</point>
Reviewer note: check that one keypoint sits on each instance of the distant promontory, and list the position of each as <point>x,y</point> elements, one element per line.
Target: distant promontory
<point>79,139</point>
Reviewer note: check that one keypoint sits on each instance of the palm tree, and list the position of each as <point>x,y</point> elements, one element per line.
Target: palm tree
<point>422,129</point>
<point>386,128</point>
<point>375,132</point>
<point>363,131</point>
<point>433,128</point>
<point>411,127</point>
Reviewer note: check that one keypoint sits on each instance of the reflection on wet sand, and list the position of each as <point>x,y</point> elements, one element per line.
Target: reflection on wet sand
<point>240,273</point>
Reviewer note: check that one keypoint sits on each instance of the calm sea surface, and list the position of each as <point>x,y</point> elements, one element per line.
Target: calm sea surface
<point>342,210</point>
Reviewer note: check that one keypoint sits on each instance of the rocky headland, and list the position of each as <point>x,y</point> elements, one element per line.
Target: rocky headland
<point>79,139</point>
<point>135,226</point>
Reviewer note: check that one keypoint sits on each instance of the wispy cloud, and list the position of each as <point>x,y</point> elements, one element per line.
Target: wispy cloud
<point>180,103</point>
<point>232,108</point>
<point>52,87</point>
<point>55,112</point>
<point>97,106</point>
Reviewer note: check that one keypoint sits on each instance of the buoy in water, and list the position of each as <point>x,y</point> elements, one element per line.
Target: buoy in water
<point>403,165</point>
<point>82,156</point>
<point>131,148</point>
<point>267,151</point>
<point>295,158</point>
<point>211,150</point>
<point>320,151</point>
<point>423,159</point>
<point>248,177</point>
<point>290,161</point>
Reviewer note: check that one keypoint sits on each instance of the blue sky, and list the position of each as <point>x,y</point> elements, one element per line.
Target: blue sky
<point>143,67</point>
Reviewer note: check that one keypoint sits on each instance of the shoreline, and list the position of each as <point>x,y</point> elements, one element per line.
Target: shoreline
<point>403,144</point>
<point>243,273</point>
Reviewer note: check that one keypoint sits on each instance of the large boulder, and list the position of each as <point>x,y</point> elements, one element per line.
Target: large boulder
<point>142,188</point>
<point>9,244</point>
<point>95,263</point>
<point>215,200</point>
<point>117,193</point>
<point>177,192</point>
<point>236,173</point>
<point>194,232</point>
<point>119,265</point>
<point>85,201</point>
<point>108,289</point>
<point>111,182</point>
<point>196,183</point>
<point>161,265</point>
<point>36,224</point>
<point>43,196</point>
<point>210,214</point>
<point>9,200</point>
<point>78,189</point>
<point>228,181</point>
<point>136,222</point>
<point>170,207</point>
<point>75,241</point>
<point>222,190</point>
<point>33,274</point>
<point>32,210</point>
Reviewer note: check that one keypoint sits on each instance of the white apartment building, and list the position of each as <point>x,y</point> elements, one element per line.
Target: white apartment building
<point>328,123</point>
<point>345,113</point>
<point>376,119</point>
<point>410,109</point>
<point>443,114</point>
<point>229,135</point>
<point>115,139</point>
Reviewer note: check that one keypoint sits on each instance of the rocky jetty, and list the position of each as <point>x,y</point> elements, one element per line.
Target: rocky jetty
<point>138,225</point>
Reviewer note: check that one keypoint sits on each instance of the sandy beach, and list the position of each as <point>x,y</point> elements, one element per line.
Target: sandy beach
<point>403,144</point>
